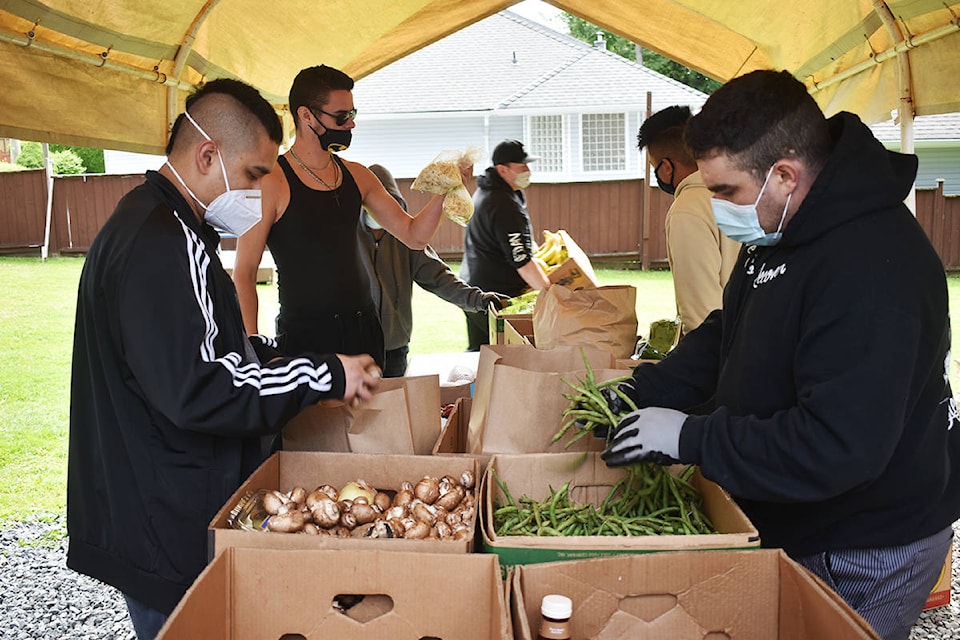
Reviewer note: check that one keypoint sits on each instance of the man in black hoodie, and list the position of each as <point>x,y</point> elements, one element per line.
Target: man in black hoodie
<point>819,396</point>
<point>498,242</point>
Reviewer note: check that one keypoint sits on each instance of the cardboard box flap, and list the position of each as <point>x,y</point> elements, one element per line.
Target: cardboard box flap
<point>266,593</point>
<point>685,594</point>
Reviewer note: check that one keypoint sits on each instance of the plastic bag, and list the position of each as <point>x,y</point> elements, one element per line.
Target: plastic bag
<point>442,176</point>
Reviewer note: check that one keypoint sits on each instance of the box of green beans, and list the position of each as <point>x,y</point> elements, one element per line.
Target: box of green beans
<point>567,506</point>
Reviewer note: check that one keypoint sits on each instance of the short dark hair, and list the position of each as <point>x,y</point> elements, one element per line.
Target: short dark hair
<point>665,126</point>
<point>313,85</point>
<point>248,98</point>
<point>758,119</point>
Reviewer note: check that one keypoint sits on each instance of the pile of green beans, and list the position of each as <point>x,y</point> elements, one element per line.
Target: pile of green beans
<point>648,500</point>
<point>588,409</point>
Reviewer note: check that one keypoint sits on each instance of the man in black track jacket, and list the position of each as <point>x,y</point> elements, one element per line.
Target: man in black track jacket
<point>171,404</point>
<point>819,396</point>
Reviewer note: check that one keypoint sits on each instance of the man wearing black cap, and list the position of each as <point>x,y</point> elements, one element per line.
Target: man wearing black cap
<point>498,244</point>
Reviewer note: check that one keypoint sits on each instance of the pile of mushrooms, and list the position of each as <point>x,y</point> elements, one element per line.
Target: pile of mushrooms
<point>437,508</point>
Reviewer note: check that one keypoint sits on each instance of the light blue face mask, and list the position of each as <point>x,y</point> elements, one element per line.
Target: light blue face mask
<point>741,222</point>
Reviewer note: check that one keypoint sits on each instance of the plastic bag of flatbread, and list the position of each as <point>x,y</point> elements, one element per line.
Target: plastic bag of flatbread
<point>442,176</point>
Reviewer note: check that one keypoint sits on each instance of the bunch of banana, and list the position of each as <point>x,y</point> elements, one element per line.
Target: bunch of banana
<point>552,253</point>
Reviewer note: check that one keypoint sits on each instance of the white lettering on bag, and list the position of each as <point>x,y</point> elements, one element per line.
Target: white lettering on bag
<point>766,275</point>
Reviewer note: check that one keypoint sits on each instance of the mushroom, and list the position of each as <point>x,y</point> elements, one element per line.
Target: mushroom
<point>427,490</point>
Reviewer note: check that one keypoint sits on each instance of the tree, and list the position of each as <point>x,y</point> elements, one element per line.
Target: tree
<point>583,30</point>
<point>92,158</point>
<point>64,161</point>
<point>31,156</point>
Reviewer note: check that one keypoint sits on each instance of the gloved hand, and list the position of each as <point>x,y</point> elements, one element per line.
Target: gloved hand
<point>497,299</point>
<point>646,435</point>
<point>615,402</point>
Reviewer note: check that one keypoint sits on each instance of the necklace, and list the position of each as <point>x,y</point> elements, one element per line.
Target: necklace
<point>336,179</point>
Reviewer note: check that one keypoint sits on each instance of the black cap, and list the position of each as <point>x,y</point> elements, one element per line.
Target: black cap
<point>511,151</point>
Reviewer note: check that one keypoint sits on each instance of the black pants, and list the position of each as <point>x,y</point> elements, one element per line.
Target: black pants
<point>349,333</point>
<point>478,329</point>
<point>395,364</point>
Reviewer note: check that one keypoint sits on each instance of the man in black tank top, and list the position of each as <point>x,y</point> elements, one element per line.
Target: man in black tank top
<point>311,208</point>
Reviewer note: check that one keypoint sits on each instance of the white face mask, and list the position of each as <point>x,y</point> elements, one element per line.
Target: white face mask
<point>522,179</point>
<point>741,222</point>
<point>235,210</point>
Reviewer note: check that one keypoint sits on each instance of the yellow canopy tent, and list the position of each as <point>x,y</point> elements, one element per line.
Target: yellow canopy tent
<point>114,74</point>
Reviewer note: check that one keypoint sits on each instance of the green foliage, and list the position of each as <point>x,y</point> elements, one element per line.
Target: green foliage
<point>92,158</point>
<point>7,166</point>
<point>65,159</point>
<point>583,30</point>
<point>31,155</point>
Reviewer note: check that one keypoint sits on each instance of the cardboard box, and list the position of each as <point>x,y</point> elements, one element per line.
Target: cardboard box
<point>252,594</point>
<point>287,469</point>
<point>450,392</point>
<point>453,435</point>
<point>591,480</point>
<point>739,595</point>
<point>940,594</point>
<point>497,323</point>
<point>576,271</point>
<point>519,330</point>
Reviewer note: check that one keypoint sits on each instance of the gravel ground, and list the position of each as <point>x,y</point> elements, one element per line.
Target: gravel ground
<point>42,599</point>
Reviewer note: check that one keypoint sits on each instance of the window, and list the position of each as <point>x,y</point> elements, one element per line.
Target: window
<point>604,142</point>
<point>546,141</point>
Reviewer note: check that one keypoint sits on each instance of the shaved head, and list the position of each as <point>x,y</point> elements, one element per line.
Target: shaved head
<point>231,112</point>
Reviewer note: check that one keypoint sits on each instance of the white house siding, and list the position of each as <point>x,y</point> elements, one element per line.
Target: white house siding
<point>405,145</point>
<point>126,163</point>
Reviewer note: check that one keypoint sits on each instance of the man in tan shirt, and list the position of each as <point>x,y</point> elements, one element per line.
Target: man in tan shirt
<point>701,258</point>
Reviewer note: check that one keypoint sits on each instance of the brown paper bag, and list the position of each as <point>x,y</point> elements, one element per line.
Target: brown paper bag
<point>605,317</point>
<point>403,417</point>
<point>518,402</point>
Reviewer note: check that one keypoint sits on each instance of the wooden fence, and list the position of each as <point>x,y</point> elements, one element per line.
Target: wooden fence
<point>605,218</point>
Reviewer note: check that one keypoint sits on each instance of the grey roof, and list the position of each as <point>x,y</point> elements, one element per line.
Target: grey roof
<point>507,62</point>
<point>944,126</point>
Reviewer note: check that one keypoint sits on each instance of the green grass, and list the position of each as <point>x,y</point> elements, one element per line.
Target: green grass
<point>36,337</point>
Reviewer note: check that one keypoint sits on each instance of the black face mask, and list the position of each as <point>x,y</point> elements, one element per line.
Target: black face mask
<point>666,187</point>
<point>334,139</point>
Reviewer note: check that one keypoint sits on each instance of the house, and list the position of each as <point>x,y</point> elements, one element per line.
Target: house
<point>575,104</point>
<point>937,145</point>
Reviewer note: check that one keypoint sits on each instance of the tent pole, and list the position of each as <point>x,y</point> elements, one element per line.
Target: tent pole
<point>183,52</point>
<point>905,110</point>
<point>60,51</point>
<point>898,48</point>
<point>645,207</point>
<point>48,170</point>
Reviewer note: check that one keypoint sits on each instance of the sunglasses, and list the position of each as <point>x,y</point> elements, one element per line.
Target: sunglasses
<point>341,117</point>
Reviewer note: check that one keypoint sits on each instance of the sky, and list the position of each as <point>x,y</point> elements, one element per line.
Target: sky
<point>546,14</point>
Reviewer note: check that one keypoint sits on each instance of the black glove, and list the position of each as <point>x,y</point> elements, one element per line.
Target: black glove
<point>646,435</point>
<point>617,405</point>
<point>498,300</point>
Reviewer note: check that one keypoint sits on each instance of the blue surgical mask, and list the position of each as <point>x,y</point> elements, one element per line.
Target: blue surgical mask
<point>741,222</point>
